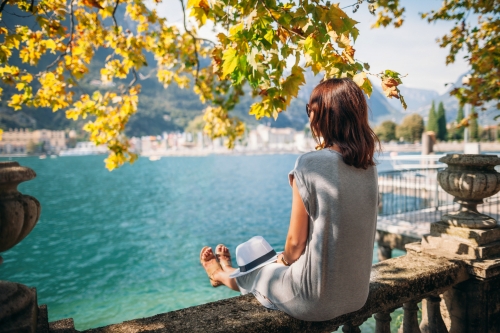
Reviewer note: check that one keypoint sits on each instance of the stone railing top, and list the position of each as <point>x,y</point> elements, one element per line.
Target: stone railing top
<point>471,160</point>
<point>393,282</point>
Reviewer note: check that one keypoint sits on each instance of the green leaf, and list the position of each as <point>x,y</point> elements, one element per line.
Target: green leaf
<point>269,36</point>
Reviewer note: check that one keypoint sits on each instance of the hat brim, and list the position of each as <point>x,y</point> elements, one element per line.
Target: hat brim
<point>237,272</point>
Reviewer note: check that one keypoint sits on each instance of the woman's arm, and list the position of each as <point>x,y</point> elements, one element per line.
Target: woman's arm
<point>298,230</point>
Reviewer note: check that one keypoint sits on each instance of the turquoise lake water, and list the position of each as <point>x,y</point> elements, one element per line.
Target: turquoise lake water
<point>114,246</point>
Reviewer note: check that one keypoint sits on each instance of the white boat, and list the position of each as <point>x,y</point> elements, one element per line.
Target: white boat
<point>154,158</point>
<point>83,149</point>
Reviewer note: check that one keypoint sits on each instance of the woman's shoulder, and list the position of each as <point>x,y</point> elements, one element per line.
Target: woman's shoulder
<point>327,158</point>
<point>313,157</point>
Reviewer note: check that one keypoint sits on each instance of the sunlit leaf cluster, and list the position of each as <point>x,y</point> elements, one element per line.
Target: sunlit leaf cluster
<point>261,46</point>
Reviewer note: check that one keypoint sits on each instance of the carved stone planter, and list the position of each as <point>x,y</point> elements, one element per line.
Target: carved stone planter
<point>470,179</point>
<point>18,212</point>
<point>18,215</point>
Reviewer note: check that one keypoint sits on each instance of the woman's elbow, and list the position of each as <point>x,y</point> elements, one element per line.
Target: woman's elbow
<point>297,244</point>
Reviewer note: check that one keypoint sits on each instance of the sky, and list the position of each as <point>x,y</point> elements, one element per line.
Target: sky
<point>411,49</point>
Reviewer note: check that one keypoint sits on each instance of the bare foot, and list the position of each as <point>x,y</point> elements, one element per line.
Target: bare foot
<point>210,264</point>
<point>224,257</point>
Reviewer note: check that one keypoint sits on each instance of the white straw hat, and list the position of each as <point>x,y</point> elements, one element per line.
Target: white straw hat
<point>254,253</point>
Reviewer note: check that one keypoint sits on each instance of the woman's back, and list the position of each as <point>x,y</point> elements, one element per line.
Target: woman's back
<point>332,276</point>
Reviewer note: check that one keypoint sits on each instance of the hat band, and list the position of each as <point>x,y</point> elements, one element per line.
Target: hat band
<point>258,261</point>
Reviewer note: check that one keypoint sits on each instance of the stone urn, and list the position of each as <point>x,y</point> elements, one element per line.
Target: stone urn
<point>470,179</point>
<point>18,212</point>
<point>18,215</point>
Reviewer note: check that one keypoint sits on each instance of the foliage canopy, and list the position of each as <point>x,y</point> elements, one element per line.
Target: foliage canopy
<point>386,131</point>
<point>264,44</point>
<point>411,128</point>
<point>442,133</point>
<point>432,121</point>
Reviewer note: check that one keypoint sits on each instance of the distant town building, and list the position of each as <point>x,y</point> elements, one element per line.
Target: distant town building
<point>85,148</point>
<point>21,141</point>
<point>272,138</point>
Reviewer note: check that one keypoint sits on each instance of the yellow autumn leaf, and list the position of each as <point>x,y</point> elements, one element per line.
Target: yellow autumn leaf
<point>230,61</point>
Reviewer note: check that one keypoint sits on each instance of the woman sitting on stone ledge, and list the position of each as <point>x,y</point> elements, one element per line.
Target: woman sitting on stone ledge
<point>324,271</point>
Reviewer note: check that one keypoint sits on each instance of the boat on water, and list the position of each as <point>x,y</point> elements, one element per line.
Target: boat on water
<point>42,157</point>
<point>84,149</point>
<point>154,158</point>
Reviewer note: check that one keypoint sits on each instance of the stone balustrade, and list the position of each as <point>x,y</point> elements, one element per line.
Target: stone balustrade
<point>399,282</point>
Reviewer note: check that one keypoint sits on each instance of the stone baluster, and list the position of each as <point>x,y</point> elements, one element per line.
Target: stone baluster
<point>353,327</point>
<point>432,321</point>
<point>471,237</point>
<point>410,319</point>
<point>349,328</point>
<point>382,322</point>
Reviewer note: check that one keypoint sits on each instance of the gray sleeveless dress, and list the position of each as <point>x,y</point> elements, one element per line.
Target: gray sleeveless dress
<point>332,276</point>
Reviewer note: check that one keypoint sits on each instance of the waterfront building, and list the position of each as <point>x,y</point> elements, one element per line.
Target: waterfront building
<point>85,148</point>
<point>271,138</point>
<point>22,141</point>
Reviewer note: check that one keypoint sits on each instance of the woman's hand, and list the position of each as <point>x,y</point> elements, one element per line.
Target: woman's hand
<point>280,260</point>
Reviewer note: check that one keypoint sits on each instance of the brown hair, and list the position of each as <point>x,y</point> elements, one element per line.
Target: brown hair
<point>341,118</point>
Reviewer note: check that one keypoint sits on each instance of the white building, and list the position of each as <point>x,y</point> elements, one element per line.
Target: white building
<point>264,137</point>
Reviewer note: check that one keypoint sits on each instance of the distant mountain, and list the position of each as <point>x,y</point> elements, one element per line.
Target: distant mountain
<point>450,104</point>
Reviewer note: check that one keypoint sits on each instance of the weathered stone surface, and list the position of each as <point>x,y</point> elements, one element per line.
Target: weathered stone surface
<point>62,326</point>
<point>18,308</point>
<point>394,241</point>
<point>470,179</point>
<point>432,321</point>
<point>11,174</point>
<point>458,249</point>
<point>393,282</point>
<point>18,213</point>
<point>473,236</point>
<point>42,324</point>
<point>473,306</point>
<point>481,268</point>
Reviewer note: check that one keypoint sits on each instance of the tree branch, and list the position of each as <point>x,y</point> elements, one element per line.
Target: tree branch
<point>114,12</point>
<point>135,78</point>
<point>194,41</point>
<point>207,40</point>
<point>70,42</point>
<point>2,5</point>
<point>14,14</point>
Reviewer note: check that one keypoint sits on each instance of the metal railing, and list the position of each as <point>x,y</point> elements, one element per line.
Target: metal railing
<point>415,196</point>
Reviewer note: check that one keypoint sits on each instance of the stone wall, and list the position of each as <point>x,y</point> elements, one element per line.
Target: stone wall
<point>393,282</point>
